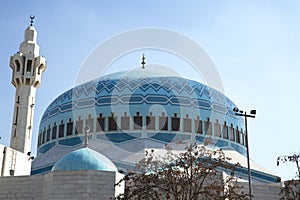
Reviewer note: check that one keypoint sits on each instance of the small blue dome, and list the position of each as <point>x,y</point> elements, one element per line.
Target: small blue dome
<point>84,159</point>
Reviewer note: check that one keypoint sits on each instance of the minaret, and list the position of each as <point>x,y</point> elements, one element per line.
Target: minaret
<point>28,67</point>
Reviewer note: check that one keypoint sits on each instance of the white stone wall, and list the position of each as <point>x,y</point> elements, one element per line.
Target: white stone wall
<point>11,159</point>
<point>66,185</point>
<point>261,191</point>
<point>21,134</point>
<point>72,185</point>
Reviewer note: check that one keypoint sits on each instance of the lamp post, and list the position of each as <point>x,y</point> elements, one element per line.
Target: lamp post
<point>245,115</point>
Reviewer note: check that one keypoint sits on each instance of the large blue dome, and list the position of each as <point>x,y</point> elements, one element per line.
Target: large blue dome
<point>84,159</point>
<point>128,112</point>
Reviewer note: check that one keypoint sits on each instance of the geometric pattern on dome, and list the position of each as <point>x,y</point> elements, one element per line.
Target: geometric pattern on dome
<point>118,137</point>
<point>134,99</point>
<point>46,147</point>
<point>168,84</point>
<point>173,91</point>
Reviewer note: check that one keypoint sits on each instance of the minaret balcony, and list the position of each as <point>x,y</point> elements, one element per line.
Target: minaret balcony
<point>41,62</point>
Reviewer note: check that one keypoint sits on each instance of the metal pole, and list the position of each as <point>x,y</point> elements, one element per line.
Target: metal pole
<point>248,157</point>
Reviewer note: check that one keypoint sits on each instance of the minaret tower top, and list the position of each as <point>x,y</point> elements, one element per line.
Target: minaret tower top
<point>29,45</point>
<point>28,67</point>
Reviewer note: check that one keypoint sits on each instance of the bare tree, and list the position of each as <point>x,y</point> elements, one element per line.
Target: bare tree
<point>196,173</point>
<point>291,189</point>
<point>295,158</point>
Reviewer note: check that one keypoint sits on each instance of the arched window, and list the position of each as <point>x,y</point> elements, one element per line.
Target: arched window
<point>231,132</point>
<point>163,122</point>
<point>150,122</point>
<point>137,121</point>
<point>217,129</point>
<point>198,125</point>
<point>61,129</point>
<point>70,127</point>
<point>44,136</point>
<point>54,131</point>
<point>112,123</point>
<point>207,127</point>
<point>225,131</point>
<point>40,139</point>
<point>48,133</point>
<point>175,122</point>
<point>79,126</point>
<point>100,125</point>
<point>187,124</point>
<point>125,122</point>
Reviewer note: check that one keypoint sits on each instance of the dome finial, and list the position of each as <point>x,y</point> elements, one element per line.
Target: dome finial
<point>31,19</point>
<point>143,61</point>
<point>87,130</point>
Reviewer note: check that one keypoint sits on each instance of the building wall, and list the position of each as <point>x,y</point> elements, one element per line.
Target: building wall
<point>67,185</point>
<point>17,161</point>
<point>262,191</point>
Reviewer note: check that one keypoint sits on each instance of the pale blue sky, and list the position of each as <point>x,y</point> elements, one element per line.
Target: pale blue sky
<point>254,45</point>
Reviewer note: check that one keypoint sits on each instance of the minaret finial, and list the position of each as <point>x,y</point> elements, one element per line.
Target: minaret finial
<point>143,61</point>
<point>31,19</point>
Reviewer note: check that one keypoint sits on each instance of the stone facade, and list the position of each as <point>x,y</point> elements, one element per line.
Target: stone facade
<point>263,191</point>
<point>13,162</point>
<point>67,185</point>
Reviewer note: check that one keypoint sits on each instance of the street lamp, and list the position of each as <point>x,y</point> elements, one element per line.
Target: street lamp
<point>245,115</point>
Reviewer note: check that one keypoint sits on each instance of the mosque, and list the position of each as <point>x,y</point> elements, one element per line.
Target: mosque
<point>94,131</point>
